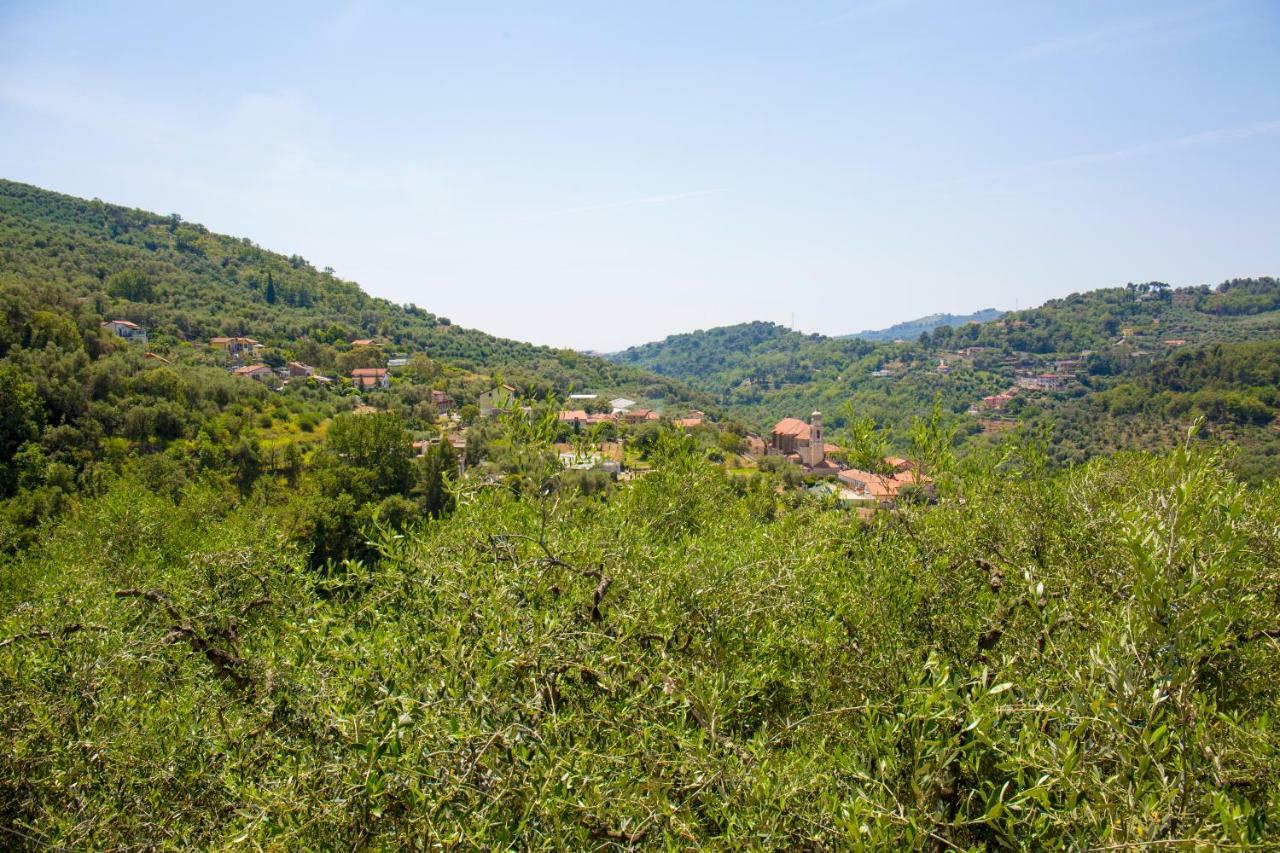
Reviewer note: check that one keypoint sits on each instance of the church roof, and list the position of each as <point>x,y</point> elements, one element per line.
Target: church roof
<point>792,426</point>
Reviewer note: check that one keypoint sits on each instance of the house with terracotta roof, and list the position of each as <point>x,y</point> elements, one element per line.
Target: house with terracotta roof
<point>371,377</point>
<point>364,342</point>
<point>884,488</point>
<point>130,331</point>
<point>581,417</point>
<point>695,418</point>
<point>639,416</point>
<point>254,371</point>
<point>236,347</point>
<point>297,368</point>
<point>441,400</point>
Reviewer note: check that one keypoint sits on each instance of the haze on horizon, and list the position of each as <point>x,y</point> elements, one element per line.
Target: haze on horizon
<point>599,177</point>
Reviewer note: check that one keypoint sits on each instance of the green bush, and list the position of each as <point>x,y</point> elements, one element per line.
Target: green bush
<point>1037,661</point>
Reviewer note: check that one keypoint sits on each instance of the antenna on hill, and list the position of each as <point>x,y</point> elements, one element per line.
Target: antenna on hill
<point>793,321</point>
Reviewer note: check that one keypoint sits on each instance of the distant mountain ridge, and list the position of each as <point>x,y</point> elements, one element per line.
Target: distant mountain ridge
<point>911,329</point>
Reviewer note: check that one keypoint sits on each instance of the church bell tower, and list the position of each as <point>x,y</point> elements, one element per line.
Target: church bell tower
<point>817,444</point>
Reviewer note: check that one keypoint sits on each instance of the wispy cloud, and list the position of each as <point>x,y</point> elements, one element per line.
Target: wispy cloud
<point>1204,139</point>
<point>1188,22</point>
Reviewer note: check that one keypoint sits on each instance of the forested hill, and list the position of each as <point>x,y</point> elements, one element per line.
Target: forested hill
<point>183,282</point>
<point>1092,342</point>
<point>911,329</point>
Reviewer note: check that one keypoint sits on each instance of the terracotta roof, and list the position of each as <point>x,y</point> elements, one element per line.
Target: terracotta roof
<point>374,372</point>
<point>791,426</point>
<point>876,485</point>
<point>125,323</point>
<point>250,369</point>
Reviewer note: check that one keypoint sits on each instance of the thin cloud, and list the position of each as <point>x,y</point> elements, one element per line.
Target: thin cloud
<point>1203,139</point>
<point>1183,23</point>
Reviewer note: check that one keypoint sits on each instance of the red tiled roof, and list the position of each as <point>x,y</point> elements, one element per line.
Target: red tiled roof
<point>371,372</point>
<point>791,426</point>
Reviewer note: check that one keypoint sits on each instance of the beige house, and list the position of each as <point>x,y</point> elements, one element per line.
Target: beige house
<point>131,332</point>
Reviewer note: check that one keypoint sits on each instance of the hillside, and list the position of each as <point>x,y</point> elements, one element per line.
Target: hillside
<point>185,283</point>
<point>911,329</point>
<point>1088,341</point>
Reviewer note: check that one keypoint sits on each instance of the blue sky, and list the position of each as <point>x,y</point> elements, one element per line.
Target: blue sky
<point>598,175</point>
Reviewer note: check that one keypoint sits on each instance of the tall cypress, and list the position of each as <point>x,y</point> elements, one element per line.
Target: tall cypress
<point>271,290</point>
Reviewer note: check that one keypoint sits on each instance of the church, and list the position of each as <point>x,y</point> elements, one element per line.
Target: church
<point>804,444</point>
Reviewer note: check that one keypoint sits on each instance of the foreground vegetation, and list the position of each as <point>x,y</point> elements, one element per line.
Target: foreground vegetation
<point>1039,660</point>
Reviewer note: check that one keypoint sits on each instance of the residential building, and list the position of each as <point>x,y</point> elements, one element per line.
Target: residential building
<point>131,332</point>
<point>693,419</point>
<point>236,347</point>
<point>254,371</point>
<point>621,404</point>
<point>371,377</point>
<point>441,400</point>
<point>639,416</point>
<point>580,417</point>
<point>297,368</point>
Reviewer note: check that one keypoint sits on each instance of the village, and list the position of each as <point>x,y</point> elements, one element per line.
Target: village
<point>596,432</point>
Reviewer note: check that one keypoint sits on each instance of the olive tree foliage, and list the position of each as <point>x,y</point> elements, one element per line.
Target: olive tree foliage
<point>1083,659</point>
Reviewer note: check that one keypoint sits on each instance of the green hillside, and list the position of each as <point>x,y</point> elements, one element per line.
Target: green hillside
<point>185,283</point>
<point>763,371</point>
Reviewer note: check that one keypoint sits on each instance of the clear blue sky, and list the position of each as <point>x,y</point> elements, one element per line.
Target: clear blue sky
<point>600,174</point>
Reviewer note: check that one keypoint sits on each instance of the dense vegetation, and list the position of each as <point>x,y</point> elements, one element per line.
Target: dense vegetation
<point>1055,661</point>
